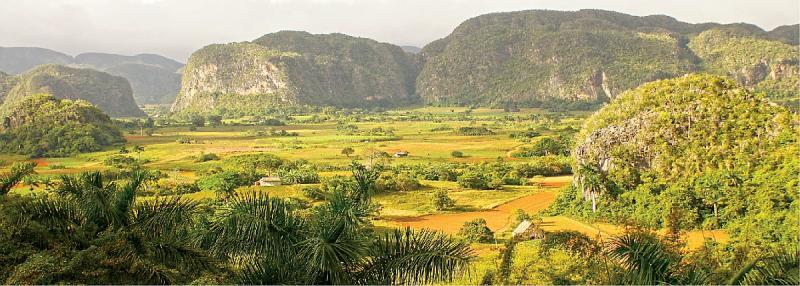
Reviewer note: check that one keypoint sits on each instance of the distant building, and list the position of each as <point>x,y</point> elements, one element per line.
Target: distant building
<point>401,154</point>
<point>268,182</point>
<point>527,230</point>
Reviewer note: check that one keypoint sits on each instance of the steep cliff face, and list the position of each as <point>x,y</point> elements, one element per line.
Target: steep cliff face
<point>297,68</point>
<point>241,76</point>
<point>681,127</point>
<point>111,94</point>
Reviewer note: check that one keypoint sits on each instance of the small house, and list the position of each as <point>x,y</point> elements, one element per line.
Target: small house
<point>268,182</point>
<point>401,154</point>
<point>527,230</point>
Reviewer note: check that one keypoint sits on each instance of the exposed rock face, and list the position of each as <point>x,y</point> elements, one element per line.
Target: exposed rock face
<point>112,94</point>
<point>234,70</point>
<point>677,127</point>
<point>296,68</point>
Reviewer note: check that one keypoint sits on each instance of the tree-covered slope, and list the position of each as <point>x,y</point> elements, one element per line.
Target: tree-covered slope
<point>153,78</point>
<point>693,151</point>
<point>752,60</point>
<point>42,125</point>
<point>550,57</point>
<point>14,60</point>
<point>112,94</point>
<point>297,67</point>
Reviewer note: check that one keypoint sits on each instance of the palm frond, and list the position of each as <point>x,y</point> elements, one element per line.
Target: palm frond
<point>125,198</point>
<point>254,223</point>
<point>643,256</point>
<point>417,257</point>
<point>54,213</point>
<point>332,252</point>
<point>19,170</point>
<point>164,216</point>
<point>782,268</point>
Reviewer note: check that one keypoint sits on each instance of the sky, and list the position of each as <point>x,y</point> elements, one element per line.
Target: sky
<point>176,28</point>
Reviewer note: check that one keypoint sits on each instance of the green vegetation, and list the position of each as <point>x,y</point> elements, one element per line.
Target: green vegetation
<point>295,68</point>
<point>111,94</point>
<point>694,152</point>
<point>43,126</point>
<point>476,231</point>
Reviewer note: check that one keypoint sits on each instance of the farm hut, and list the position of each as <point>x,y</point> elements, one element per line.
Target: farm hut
<point>527,230</point>
<point>268,181</point>
<point>401,154</point>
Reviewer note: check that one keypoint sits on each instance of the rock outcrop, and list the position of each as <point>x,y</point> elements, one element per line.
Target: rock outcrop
<point>296,68</point>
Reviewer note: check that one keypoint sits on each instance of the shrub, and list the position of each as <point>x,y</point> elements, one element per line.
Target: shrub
<point>299,176</point>
<point>442,201</point>
<point>457,154</point>
<point>476,231</point>
<point>474,180</point>
<point>206,157</point>
<point>120,161</point>
<point>397,182</point>
<point>474,131</point>
<point>314,193</point>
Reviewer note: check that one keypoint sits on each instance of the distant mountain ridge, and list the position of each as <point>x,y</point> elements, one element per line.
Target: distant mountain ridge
<point>154,78</point>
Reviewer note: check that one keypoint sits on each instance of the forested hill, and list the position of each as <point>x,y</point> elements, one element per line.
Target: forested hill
<point>154,78</point>
<point>297,68</point>
<point>543,57</point>
<point>112,94</point>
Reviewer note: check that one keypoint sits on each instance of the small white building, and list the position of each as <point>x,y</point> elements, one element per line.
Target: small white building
<point>401,154</point>
<point>268,181</point>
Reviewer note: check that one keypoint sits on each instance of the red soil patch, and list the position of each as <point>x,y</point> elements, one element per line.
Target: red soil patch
<point>41,163</point>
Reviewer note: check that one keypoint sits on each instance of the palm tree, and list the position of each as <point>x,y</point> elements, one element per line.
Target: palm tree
<point>19,170</point>
<point>147,242</point>
<point>335,244</point>
<point>592,182</point>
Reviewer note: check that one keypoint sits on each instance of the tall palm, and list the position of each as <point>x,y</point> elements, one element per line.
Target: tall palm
<point>149,240</point>
<point>592,183</point>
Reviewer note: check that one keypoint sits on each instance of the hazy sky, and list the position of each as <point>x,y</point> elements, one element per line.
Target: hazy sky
<point>175,28</point>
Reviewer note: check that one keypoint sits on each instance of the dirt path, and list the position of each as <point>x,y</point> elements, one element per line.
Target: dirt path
<point>499,218</point>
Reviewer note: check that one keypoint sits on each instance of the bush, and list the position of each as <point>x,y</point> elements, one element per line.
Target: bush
<point>442,201</point>
<point>545,166</point>
<point>457,154</point>
<point>314,193</point>
<point>476,231</point>
<point>474,180</point>
<point>206,157</point>
<point>474,131</point>
<point>396,182</point>
<point>120,161</point>
<point>303,175</point>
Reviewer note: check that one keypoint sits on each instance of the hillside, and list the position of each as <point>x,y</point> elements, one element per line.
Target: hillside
<point>154,78</point>
<point>298,68</point>
<point>751,60</point>
<point>571,59</point>
<point>43,126</point>
<point>685,152</point>
<point>112,94</point>
<point>14,60</point>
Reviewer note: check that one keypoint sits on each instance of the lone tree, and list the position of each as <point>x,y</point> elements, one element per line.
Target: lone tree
<point>347,151</point>
<point>442,200</point>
